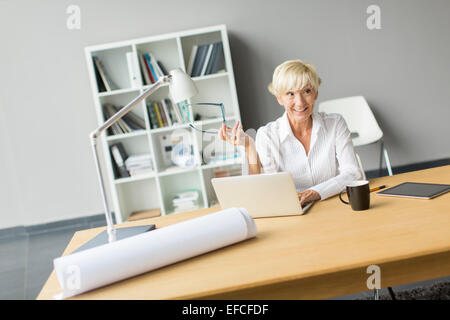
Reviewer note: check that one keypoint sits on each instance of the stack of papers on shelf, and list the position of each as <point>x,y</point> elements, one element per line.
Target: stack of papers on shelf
<point>139,164</point>
<point>186,201</point>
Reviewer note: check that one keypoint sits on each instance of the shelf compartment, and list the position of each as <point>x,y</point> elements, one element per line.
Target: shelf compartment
<point>188,42</point>
<point>174,184</point>
<point>210,173</point>
<point>215,90</point>
<point>163,142</point>
<point>165,51</point>
<point>115,65</point>
<point>137,196</point>
<point>136,145</point>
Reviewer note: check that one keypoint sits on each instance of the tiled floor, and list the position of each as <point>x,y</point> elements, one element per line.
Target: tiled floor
<point>26,261</point>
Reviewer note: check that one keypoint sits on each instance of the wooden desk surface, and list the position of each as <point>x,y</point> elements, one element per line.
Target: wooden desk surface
<point>319,255</point>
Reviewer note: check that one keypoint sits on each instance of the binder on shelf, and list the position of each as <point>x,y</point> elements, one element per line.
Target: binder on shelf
<point>129,123</point>
<point>133,69</point>
<point>166,149</point>
<point>120,156</point>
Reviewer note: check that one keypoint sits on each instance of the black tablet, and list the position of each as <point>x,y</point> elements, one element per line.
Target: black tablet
<point>416,190</point>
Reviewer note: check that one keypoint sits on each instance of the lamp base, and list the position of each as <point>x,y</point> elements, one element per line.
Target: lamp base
<point>121,233</point>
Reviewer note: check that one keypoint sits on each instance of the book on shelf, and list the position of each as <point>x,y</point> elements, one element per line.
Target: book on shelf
<point>144,72</point>
<point>120,156</point>
<point>152,69</point>
<point>217,61</point>
<point>133,69</point>
<point>128,123</point>
<point>163,114</point>
<point>148,75</point>
<point>200,56</point>
<point>161,72</point>
<point>166,112</point>
<point>191,59</point>
<point>158,114</point>
<point>105,78</point>
<point>162,67</point>
<point>206,59</point>
<point>153,73</point>
<point>100,85</point>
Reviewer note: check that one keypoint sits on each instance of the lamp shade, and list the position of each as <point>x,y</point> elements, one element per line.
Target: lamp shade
<point>181,86</point>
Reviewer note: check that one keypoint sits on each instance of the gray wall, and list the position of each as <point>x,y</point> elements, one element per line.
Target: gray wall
<point>47,112</point>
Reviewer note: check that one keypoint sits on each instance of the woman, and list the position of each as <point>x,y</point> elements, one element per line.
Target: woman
<point>315,148</point>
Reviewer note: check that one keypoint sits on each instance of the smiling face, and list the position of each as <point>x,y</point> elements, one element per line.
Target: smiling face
<point>295,84</point>
<point>298,103</point>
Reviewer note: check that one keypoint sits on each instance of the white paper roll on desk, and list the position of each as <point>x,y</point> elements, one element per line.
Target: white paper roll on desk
<point>112,262</point>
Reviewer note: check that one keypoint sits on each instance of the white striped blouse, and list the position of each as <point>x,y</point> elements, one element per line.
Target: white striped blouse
<point>330,164</point>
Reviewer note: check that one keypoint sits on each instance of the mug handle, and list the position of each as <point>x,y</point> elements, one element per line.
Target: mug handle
<point>340,197</point>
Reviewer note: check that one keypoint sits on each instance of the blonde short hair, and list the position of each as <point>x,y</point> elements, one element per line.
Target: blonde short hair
<point>293,75</point>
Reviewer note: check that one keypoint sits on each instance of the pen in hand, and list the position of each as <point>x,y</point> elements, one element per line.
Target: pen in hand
<point>378,188</point>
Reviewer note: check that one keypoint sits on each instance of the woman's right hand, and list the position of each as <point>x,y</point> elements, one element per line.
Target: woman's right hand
<point>235,136</point>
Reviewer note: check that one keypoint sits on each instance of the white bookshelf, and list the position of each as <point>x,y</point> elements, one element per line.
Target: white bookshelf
<point>156,189</point>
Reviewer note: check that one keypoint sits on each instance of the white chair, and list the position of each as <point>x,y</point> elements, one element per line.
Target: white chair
<point>361,167</point>
<point>361,123</point>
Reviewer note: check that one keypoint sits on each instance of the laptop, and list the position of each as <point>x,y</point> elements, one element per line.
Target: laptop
<point>263,195</point>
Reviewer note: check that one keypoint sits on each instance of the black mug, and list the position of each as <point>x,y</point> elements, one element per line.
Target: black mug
<point>358,193</point>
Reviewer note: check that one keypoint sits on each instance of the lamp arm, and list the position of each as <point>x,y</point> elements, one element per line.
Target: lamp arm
<point>94,136</point>
<point>122,112</point>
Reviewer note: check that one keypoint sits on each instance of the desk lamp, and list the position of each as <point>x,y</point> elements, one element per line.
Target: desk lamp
<point>181,88</point>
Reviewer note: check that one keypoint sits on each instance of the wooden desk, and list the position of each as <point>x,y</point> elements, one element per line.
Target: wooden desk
<point>322,254</point>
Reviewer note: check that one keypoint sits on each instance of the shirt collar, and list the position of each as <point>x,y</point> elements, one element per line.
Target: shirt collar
<point>286,130</point>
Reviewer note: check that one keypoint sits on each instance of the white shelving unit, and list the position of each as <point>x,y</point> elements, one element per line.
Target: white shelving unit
<point>157,189</point>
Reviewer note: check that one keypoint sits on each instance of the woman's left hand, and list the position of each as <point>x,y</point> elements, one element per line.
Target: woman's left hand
<point>308,196</point>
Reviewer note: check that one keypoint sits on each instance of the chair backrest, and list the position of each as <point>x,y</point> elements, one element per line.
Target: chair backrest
<point>363,173</point>
<point>358,116</point>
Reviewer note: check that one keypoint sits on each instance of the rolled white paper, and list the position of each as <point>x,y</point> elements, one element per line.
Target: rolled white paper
<point>112,262</point>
